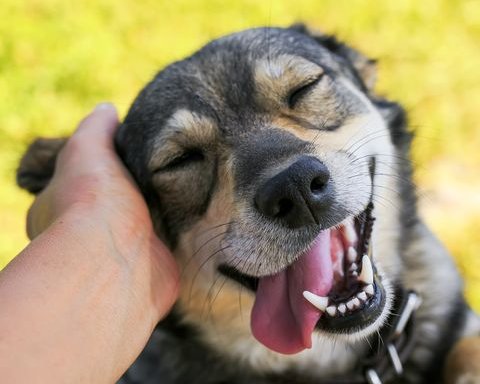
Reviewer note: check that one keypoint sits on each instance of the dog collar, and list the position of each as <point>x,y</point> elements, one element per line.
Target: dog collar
<point>395,343</point>
<point>391,348</point>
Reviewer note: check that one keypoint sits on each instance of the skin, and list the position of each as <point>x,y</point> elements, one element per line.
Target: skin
<point>79,303</point>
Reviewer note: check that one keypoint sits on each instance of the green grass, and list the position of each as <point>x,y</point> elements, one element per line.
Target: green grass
<point>58,59</point>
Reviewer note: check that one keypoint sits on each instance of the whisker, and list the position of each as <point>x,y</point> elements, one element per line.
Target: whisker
<point>215,227</point>
<point>201,267</point>
<point>212,302</point>
<point>189,260</point>
<point>366,141</point>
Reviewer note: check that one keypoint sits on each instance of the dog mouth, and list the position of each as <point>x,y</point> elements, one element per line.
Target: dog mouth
<point>334,287</point>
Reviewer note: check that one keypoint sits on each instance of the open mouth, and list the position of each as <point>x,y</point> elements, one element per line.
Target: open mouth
<point>357,297</point>
<point>334,287</point>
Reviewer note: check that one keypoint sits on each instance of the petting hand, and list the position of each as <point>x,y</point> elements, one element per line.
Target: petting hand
<point>89,175</point>
<point>90,182</point>
<point>83,298</point>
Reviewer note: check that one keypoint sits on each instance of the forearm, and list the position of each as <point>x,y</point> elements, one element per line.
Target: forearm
<point>68,304</point>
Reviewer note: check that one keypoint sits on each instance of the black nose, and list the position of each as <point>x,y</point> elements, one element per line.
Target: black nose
<point>297,196</point>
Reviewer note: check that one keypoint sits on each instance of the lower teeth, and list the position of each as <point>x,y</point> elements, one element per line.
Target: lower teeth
<point>352,304</point>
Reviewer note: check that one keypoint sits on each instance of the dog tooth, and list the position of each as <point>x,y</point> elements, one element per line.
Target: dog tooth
<point>332,310</point>
<point>320,302</point>
<point>356,302</point>
<point>352,254</point>
<point>349,232</point>
<point>353,267</point>
<point>366,275</point>
<point>342,308</point>
<point>339,255</point>
<point>355,273</point>
<point>369,290</point>
<point>350,304</point>
<point>362,296</point>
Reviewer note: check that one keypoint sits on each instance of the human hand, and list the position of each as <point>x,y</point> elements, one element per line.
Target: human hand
<point>95,262</point>
<point>89,175</point>
<point>91,182</point>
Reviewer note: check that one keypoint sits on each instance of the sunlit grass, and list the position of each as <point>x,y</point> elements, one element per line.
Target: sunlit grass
<point>58,59</point>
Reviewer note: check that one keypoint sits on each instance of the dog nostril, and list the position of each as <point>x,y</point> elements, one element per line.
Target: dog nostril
<point>298,196</point>
<point>283,208</point>
<point>317,185</point>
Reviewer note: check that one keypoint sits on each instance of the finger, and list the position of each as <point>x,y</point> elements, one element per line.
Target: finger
<point>99,127</point>
<point>92,142</point>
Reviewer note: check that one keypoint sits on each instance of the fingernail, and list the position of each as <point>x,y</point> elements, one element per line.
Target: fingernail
<point>104,106</point>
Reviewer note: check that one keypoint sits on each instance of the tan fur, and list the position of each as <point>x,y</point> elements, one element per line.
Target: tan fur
<point>276,77</point>
<point>184,129</point>
<point>463,362</point>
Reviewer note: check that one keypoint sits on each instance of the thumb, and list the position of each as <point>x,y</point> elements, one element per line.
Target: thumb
<point>101,123</point>
<point>92,141</point>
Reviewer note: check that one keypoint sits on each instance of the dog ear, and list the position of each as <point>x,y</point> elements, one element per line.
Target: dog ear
<point>363,67</point>
<point>38,164</point>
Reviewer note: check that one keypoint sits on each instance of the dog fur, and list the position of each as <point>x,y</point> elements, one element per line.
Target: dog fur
<point>201,138</point>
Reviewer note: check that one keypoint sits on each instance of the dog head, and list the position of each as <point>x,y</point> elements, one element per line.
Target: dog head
<point>265,157</point>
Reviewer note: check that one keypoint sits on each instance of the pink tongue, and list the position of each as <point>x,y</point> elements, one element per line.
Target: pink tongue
<point>282,319</point>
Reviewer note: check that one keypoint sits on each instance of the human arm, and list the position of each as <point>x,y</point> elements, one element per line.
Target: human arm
<point>80,301</point>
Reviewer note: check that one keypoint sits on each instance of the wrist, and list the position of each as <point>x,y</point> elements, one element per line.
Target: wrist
<point>86,297</point>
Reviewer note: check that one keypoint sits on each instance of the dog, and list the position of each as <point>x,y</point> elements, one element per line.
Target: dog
<point>282,184</point>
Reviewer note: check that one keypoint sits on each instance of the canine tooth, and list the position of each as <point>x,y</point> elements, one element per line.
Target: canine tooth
<point>342,308</point>
<point>353,267</point>
<point>351,254</point>
<point>369,290</point>
<point>366,275</point>
<point>332,310</point>
<point>362,296</point>
<point>356,302</point>
<point>320,302</point>
<point>355,273</point>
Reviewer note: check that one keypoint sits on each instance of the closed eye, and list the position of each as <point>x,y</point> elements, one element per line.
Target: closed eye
<point>297,93</point>
<point>183,160</point>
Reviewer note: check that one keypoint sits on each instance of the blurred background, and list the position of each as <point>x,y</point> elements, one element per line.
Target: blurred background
<point>59,58</point>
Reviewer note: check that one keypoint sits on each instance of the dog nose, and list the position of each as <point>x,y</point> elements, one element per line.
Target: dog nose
<point>298,195</point>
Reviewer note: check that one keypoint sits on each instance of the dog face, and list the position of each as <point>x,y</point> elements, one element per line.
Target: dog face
<point>265,159</point>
